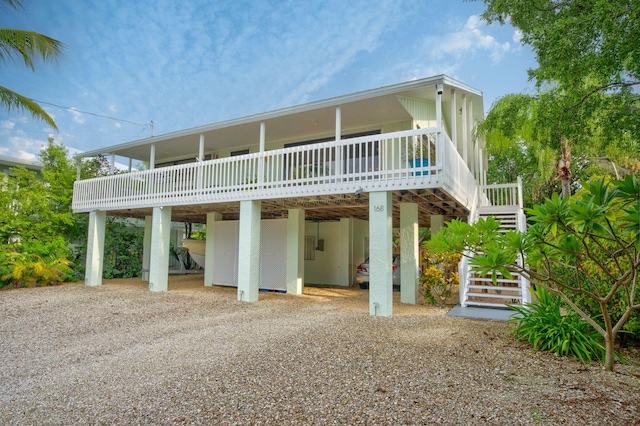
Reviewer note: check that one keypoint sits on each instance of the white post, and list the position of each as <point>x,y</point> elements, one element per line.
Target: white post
<point>465,146</point>
<point>261,159</point>
<point>152,157</point>
<point>112,164</point>
<point>159,260</point>
<point>146,247</point>
<point>454,121</point>
<point>347,269</point>
<point>338,136</point>
<point>437,222</point>
<point>201,148</point>
<point>295,251</point>
<point>130,165</point>
<point>95,248</point>
<point>78,168</point>
<point>380,254</point>
<point>472,145</point>
<point>439,106</point>
<point>212,218</point>
<point>409,253</point>
<point>249,251</point>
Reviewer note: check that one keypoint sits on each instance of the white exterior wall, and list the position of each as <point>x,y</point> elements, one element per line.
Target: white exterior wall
<point>273,253</point>
<point>325,269</point>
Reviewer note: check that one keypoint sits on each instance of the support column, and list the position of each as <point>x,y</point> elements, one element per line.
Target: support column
<point>454,121</point>
<point>212,218</point>
<point>152,157</point>
<point>295,251</point>
<point>439,105</point>
<point>347,268</point>
<point>95,248</point>
<point>409,253</point>
<point>437,222</point>
<point>261,160</point>
<point>159,259</point>
<point>249,251</point>
<point>465,133</point>
<point>146,247</point>
<point>380,254</point>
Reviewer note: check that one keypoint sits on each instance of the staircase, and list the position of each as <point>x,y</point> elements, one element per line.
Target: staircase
<point>504,203</point>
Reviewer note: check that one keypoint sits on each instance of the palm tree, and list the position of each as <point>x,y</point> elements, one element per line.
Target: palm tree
<point>26,45</point>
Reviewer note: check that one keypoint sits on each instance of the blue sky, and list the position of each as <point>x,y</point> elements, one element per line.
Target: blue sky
<point>188,63</point>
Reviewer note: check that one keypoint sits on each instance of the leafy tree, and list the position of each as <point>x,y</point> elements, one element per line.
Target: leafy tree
<point>26,45</point>
<point>38,226</point>
<point>584,248</point>
<point>588,68</point>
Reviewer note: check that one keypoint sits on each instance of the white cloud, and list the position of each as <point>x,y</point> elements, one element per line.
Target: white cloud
<point>7,124</point>
<point>78,117</point>
<point>467,40</point>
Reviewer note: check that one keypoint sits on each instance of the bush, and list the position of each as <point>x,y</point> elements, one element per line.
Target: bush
<point>543,325</point>
<point>32,270</point>
<point>440,277</point>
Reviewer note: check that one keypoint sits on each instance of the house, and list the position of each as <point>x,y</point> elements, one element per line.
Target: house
<point>302,194</point>
<point>7,163</point>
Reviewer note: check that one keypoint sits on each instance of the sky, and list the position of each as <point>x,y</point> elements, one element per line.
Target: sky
<point>183,64</point>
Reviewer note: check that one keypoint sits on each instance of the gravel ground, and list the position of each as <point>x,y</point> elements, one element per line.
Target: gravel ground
<point>118,354</point>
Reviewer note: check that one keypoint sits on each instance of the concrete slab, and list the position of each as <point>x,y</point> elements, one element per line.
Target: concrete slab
<point>479,312</point>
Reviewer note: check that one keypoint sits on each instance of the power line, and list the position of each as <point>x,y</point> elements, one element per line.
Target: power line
<point>90,113</point>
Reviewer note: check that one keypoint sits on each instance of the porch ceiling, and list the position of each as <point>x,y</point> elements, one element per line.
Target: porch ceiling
<point>326,207</point>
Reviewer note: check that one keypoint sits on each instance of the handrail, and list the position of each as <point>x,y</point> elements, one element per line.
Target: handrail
<point>367,163</point>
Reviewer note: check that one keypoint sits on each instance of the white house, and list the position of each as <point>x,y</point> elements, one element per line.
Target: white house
<point>302,193</point>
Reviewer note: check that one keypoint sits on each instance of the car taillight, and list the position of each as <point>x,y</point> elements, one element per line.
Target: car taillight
<point>361,268</point>
<point>394,267</point>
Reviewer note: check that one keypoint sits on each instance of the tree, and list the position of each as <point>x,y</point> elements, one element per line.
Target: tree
<point>588,68</point>
<point>584,248</point>
<point>26,45</point>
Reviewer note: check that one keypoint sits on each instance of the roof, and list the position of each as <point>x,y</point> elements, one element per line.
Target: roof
<point>361,109</point>
<point>16,162</point>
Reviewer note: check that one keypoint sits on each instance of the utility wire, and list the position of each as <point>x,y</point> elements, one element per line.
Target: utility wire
<point>144,126</point>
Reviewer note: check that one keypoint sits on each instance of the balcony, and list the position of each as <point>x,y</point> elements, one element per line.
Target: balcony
<point>399,161</point>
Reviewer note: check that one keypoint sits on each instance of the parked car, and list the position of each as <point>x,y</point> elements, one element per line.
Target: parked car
<point>362,273</point>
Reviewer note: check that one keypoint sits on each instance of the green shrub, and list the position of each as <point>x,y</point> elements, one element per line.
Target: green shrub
<point>545,327</point>
<point>32,270</point>
<point>439,277</point>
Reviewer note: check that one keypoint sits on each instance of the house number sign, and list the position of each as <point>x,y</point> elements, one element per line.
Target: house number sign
<point>378,208</point>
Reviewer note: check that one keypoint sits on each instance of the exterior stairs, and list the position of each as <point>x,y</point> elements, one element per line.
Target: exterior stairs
<point>504,203</point>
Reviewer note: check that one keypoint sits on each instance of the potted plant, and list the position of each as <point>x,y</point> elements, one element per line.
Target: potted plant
<point>420,154</point>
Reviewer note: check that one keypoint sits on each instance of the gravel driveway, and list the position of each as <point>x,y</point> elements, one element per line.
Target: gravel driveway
<point>118,354</point>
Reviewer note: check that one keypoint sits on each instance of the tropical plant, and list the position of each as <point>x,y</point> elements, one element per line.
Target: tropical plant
<point>26,45</point>
<point>583,247</point>
<point>439,277</point>
<point>545,327</point>
<point>31,269</point>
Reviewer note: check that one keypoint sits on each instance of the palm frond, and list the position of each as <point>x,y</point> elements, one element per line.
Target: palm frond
<point>29,45</point>
<point>16,4</point>
<point>12,100</point>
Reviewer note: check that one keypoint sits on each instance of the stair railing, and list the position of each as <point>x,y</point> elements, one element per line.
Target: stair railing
<point>463,265</point>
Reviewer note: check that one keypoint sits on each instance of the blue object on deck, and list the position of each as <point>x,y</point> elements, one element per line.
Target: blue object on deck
<point>419,162</point>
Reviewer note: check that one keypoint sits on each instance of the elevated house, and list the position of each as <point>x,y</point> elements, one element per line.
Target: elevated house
<point>304,194</point>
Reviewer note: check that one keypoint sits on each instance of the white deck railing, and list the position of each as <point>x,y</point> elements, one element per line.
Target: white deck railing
<point>370,163</point>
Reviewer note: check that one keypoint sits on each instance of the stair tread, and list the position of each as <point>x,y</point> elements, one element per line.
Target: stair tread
<point>494,296</point>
